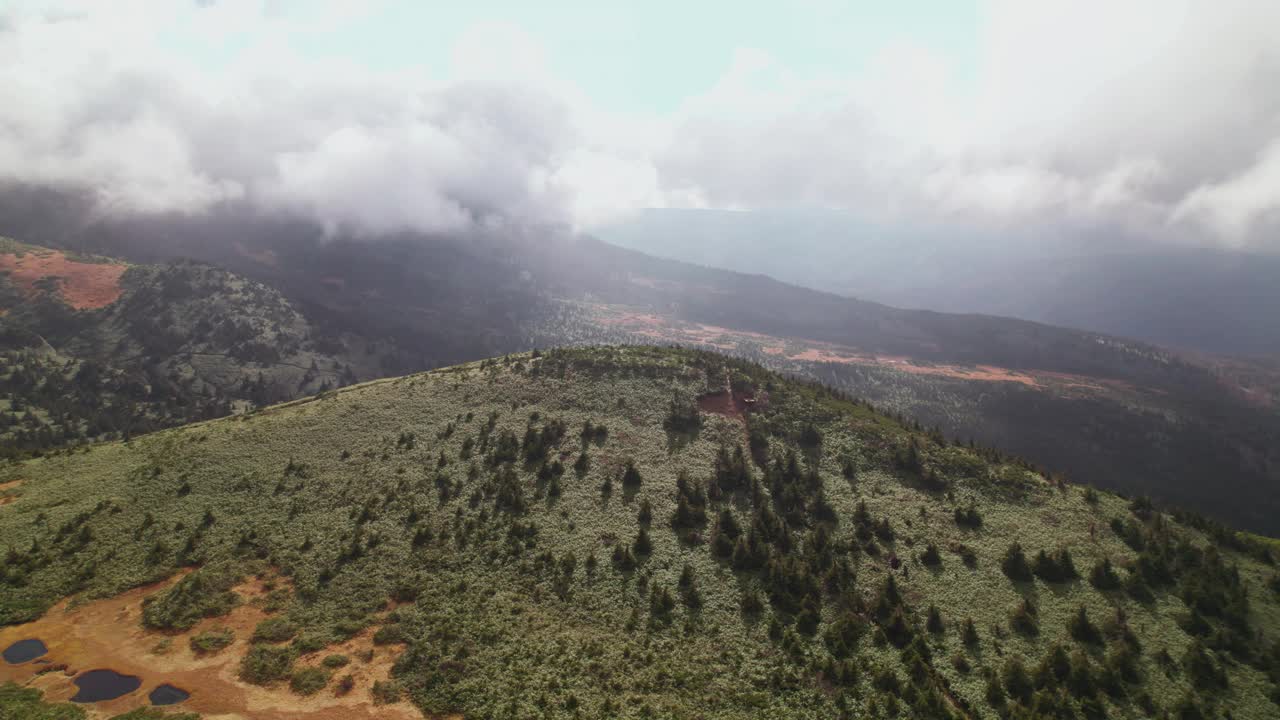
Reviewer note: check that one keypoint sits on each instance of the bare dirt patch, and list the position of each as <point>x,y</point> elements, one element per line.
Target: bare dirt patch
<point>6,491</point>
<point>721,403</point>
<point>83,286</point>
<point>727,402</point>
<point>665,328</point>
<point>264,257</point>
<point>108,634</point>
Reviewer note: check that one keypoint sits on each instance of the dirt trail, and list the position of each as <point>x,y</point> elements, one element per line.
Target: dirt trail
<point>83,286</point>
<point>7,497</point>
<point>107,634</point>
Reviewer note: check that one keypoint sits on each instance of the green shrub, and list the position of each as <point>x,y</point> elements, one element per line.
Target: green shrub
<point>308,681</point>
<point>309,642</point>
<point>335,661</point>
<point>344,685</point>
<point>388,635</point>
<point>276,629</point>
<point>202,594</point>
<point>264,664</point>
<point>211,641</point>
<point>19,703</point>
<point>276,600</point>
<point>386,691</point>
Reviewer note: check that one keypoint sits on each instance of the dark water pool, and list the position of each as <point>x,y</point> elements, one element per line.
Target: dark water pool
<point>99,685</point>
<point>24,651</point>
<point>167,695</point>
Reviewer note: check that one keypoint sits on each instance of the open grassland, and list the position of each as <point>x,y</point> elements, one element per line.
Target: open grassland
<point>565,535</point>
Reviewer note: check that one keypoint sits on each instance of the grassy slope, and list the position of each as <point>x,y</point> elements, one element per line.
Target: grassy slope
<point>332,492</point>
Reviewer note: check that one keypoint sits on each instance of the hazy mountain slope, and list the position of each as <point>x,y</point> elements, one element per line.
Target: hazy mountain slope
<point>808,558</point>
<point>149,346</point>
<point>1105,410</point>
<point>1206,299</point>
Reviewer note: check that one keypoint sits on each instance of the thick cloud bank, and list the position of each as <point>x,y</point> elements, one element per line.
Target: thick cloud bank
<point>94,99</point>
<point>1155,118</point>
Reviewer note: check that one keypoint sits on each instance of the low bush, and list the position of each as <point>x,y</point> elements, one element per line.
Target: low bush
<point>386,691</point>
<point>202,594</point>
<point>335,661</point>
<point>211,641</point>
<point>265,664</point>
<point>308,681</point>
<point>274,630</point>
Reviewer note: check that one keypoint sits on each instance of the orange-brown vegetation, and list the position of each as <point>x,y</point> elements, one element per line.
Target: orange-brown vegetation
<point>7,497</point>
<point>108,634</point>
<point>82,285</point>
<point>668,329</point>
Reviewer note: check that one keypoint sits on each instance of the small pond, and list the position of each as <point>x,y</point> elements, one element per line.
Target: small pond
<point>24,651</point>
<point>167,695</point>
<point>99,685</point>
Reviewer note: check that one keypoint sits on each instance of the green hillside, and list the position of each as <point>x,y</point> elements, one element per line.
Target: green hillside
<point>567,535</point>
<point>183,342</point>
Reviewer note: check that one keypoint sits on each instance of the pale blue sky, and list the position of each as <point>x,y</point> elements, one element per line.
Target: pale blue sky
<point>649,56</point>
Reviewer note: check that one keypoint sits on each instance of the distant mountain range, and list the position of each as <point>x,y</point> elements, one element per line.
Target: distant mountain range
<point>1200,431</point>
<point>1193,298</point>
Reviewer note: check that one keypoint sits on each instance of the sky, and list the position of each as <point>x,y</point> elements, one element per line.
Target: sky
<point>1157,120</point>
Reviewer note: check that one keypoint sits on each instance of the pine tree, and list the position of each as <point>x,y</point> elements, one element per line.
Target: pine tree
<point>1082,629</point>
<point>1015,565</point>
<point>1104,576</point>
<point>934,622</point>
<point>643,545</point>
<point>631,476</point>
<point>930,556</point>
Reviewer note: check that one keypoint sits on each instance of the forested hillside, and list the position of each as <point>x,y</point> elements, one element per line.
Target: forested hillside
<point>151,347</point>
<point>639,532</point>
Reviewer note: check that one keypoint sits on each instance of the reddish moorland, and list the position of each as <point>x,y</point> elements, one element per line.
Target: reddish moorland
<point>82,285</point>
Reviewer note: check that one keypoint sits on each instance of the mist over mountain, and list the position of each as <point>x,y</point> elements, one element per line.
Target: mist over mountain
<point>1209,299</point>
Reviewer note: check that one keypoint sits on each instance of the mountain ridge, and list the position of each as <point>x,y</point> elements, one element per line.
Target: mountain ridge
<point>806,556</point>
<point>1138,419</point>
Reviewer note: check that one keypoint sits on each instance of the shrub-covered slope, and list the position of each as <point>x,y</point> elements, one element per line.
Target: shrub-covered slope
<point>640,532</point>
<point>173,343</point>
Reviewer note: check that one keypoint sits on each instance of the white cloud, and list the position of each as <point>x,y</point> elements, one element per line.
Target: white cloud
<point>1111,113</point>
<point>1236,206</point>
<point>1162,118</point>
<point>149,129</point>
